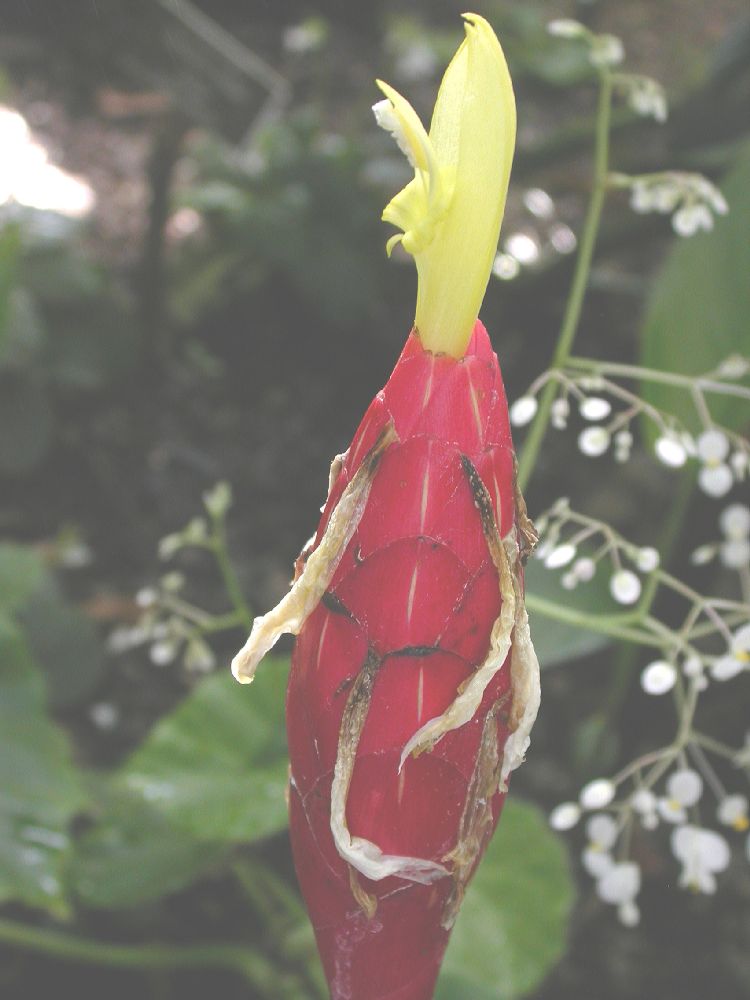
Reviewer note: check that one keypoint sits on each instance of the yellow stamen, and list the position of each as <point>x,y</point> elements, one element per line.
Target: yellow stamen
<point>450,213</point>
<point>741,823</point>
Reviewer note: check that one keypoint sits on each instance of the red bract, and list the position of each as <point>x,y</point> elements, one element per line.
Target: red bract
<point>410,672</point>
<point>414,684</point>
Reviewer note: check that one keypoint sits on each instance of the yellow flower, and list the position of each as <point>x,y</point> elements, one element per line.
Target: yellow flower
<point>450,213</point>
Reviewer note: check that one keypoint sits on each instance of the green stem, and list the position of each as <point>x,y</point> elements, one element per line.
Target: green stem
<point>607,625</point>
<point>285,918</point>
<point>228,575</point>
<point>258,972</point>
<point>533,442</point>
<point>688,382</point>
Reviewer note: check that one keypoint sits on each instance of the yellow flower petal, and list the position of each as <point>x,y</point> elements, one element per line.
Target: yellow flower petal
<point>450,213</point>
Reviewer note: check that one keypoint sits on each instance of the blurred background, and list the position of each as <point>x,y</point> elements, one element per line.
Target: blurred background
<point>194,289</point>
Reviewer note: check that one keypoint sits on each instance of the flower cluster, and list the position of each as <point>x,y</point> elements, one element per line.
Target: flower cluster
<point>604,51</point>
<point>563,535</point>
<point>691,199</point>
<point>665,787</point>
<point>171,626</point>
<point>643,94</point>
<point>615,807</point>
<point>734,548</point>
<point>722,455</point>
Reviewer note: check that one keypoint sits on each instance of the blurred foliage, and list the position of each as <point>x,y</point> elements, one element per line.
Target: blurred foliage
<point>698,310</point>
<point>65,330</point>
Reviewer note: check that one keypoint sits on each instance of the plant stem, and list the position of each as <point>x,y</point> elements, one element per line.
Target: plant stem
<point>608,625</point>
<point>229,577</point>
<point>533,442</point>
<point>688,382</point>
<point>258,972</point>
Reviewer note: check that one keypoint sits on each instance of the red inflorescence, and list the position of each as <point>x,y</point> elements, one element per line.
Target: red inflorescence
<point>415,595</point>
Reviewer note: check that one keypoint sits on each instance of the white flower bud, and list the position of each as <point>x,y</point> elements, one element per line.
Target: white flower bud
<point>597,794</point>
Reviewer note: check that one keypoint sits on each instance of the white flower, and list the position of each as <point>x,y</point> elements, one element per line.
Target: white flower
<point>625,587</point>
<point>594,441</point>
<point>523,411</point>
<point>597,794</point>
<point>735,366</point>
<point>169,545</point>
<point>623,445</point>
<point>565,816</point>
<point>126,637</point>
<point>658,677</point>
<point>648,196</point>
<point>560,556</point>
<point>735,524</point>
<point>199,656</point>
<point>691,218</point>
<point>646,97</point>
<point>670,451</point>
<point>566,27</point>
<point>702,853</point>
<point>693,668</point>
<point>596,862</point>
<point>104,715</point>
<point>740,462</point>
<point>734,521</point>
<point>702,555</point>
<point>146,597</point>
<point>606,50</point>
<point>595,408</point>
<point>736,659</point>
<point>619,886</point>
<point>559,413</point>
<point>602,832</point>
<point>647,559</point>
<point>645,803</point>
<point>628,914</point>
<point>584,569</point>
<point>715,478</point>
<point>684,789</point>
<point>163,652</point>
<point>735,554</point>
<point>732,812</point>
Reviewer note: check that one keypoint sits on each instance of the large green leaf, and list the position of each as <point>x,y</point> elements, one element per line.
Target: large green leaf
<point>39,789</point>
<point>557,641</point>
<point>700,305</point>
<point>65,644</point>
<point>133,855</point>
<point>513,924</point>
<point>21,572</point>
<point>216,766</point>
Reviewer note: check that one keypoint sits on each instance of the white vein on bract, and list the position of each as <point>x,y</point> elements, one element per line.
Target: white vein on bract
<point>526,686</point>
<point>463,707</point>
<point>366,856</point>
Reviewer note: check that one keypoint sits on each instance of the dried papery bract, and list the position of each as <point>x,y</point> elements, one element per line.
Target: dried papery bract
<point>414,683</point>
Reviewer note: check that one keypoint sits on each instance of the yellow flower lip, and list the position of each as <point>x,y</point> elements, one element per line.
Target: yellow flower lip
<point>450,213</point>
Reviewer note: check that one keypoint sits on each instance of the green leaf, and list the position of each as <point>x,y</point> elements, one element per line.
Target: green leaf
<point>697,314</point>
<point>39,789</point>
<point>217,765</point>
<point>66,645</point>
<point>555,641</point>
<point>21,572</point>
<point>512,927</point>
<point>10,255</point>
<point>132,855</point>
